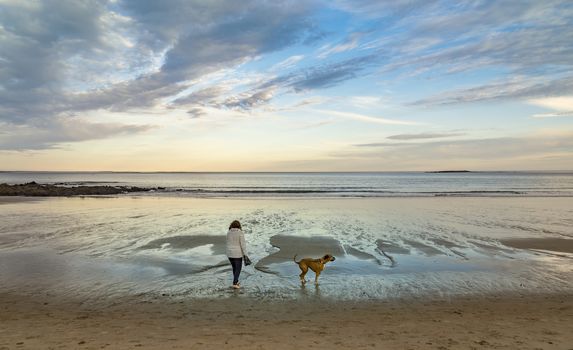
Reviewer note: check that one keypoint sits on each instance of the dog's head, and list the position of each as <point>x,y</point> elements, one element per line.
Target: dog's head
<point>328,258</point>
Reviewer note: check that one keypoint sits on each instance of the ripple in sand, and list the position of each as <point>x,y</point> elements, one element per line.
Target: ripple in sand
<point>179,255</point>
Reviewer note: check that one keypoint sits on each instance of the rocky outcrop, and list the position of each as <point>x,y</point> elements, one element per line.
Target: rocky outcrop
<point>37,190</point>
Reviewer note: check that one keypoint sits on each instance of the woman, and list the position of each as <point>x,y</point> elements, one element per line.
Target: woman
<point>236,249</point>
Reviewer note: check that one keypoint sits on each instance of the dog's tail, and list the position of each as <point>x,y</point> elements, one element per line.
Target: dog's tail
<point>294,258</point>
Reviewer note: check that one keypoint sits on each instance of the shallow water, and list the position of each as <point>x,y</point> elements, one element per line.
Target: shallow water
<point>99,247</point>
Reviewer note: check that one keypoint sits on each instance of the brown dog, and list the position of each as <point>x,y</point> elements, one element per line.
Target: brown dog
<point>316,265</point>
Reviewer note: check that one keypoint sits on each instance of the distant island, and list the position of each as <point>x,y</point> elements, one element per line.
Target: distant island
<point>448,171</point>
<point>34,189</point>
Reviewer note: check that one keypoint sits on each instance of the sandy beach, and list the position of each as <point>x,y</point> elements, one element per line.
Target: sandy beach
<point>487,322</point>
<point>139,272</point>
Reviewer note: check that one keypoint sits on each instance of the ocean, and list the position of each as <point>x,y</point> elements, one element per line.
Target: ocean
<point>394,235</point>
<point>384,184</point>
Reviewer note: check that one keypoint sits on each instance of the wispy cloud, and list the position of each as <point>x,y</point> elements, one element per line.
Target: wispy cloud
<point>314,125</point>
<point>529,40</point>
<point>390,10</point>
<point>525,152</point>
<point>249,100</point>
<point>201,97</point>
<point>483,148</point>
<point>196,112</point>
<point>521,88</point>
<point>350,43</point>
<point>319,76</point>
<point>562,106</point>
<point>365,102</point>
<point>541,151</point>
<point>328,75</point>
<point>365,118</point>
<point>522,36</point>
<point>424,136</point>
<point>288,63</point>
<point>561,103</point>
<point>53,133</point>
<point>553,115</point>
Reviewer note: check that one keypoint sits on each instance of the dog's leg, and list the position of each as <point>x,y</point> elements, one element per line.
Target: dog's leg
<point>302,275</point>
<point>316,275</point>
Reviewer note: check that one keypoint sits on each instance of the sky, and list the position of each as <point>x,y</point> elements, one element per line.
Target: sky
<point>339,85</point>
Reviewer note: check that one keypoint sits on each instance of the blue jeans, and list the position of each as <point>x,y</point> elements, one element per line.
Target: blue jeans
<point>237,264</point>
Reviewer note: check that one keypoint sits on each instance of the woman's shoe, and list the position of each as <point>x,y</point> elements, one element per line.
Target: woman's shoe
<point>236,286</point>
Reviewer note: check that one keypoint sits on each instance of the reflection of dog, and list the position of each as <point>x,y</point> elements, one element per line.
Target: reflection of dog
<point>316,265</point>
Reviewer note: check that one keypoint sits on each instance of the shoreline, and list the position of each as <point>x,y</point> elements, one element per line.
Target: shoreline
<point>535,321</point>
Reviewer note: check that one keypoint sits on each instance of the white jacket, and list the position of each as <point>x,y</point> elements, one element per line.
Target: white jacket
<point>236,246</point>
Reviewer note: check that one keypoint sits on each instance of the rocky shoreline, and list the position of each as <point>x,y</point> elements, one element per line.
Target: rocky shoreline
<point>34,189</point>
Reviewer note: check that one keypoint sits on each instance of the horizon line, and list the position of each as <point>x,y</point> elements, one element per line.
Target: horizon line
<point>280,172</point>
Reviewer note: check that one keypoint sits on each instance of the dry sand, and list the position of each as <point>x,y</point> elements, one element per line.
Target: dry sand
<point>516,322</point>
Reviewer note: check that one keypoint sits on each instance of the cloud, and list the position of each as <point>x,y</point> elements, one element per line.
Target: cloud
<point>201,97</point>
<point>38,43</point>
<point>554,115</point>
<point>43,134</point>
<point>314,125</point>
<point>178,43</point>
<point>521,88</point>
<point>383,144</point>
<point>350,43</point>
<point>320,76</point>
<point>549,150</point>
<point>502,147</point>
<point>365,118</point>
<point>527,40</point>
<point>525,35</point>
<point>288,63</point>
<point>423,136</point>
<point>68,57</point>
<point>329,75</point>
<point>561,103</point>
<point>226,41</point>
<point>247,101</point>
<point>317,100</point>
<point>390,10</point>
<point>365,101</point>
<point>221,98</point>
<point>562,106</point>
<point>193,37</point>
<point>299,81</point>
<point>196,112</point>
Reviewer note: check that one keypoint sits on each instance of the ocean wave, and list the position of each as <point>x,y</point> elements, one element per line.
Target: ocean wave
<point>347,192</point>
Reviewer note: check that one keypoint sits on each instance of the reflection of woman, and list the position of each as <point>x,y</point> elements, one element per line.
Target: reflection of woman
<point>236,249</point>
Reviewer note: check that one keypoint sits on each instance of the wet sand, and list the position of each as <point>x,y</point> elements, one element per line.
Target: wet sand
<point>17,199</point>
<point>128,273</point>
<point>563,245</point>
<point>510,322</point>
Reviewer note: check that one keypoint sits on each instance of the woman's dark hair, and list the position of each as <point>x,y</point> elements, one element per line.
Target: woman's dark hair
<point>235,224</point>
